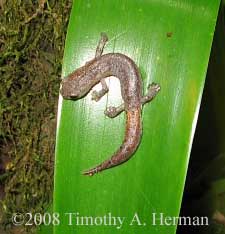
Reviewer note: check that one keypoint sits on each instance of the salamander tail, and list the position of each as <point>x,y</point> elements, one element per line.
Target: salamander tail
<point>129,146</point>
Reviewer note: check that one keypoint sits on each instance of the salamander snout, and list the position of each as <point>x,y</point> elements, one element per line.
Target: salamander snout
<point>67,90</point>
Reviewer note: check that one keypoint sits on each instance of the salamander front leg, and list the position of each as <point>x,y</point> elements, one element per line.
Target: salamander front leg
<point>153,89</point>
<point>101,44</point>
<point>113,111</point>
<point>97,95</point>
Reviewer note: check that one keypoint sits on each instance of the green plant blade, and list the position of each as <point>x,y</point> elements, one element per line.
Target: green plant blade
<point>170,42</point>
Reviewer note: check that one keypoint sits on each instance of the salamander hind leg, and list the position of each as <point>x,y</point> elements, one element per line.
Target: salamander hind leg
<point>153,89</point>
<point>97,95</point>
<point>113,111</point>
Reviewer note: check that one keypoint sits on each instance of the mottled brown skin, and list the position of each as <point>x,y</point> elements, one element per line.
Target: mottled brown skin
<point>79,83</point>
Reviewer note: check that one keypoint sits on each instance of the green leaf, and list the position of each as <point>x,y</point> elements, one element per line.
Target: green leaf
<point>170,42</point>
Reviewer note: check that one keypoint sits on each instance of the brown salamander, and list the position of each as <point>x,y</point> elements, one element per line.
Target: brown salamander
<point>79,83</point>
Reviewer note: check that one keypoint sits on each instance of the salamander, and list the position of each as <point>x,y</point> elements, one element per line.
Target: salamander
<point>77,84</point>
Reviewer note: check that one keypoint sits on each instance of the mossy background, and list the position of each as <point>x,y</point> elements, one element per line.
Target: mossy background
<point>32,37</point>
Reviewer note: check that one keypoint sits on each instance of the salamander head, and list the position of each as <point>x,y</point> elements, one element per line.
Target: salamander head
<point>75,85</point>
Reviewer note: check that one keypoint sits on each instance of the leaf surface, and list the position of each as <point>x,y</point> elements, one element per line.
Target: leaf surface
<point>170,42</point>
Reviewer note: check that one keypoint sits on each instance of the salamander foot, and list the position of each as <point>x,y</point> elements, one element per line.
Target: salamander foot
<point>113,111</point>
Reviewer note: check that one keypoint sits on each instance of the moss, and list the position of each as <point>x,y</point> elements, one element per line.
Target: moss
<point>32,36</point>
